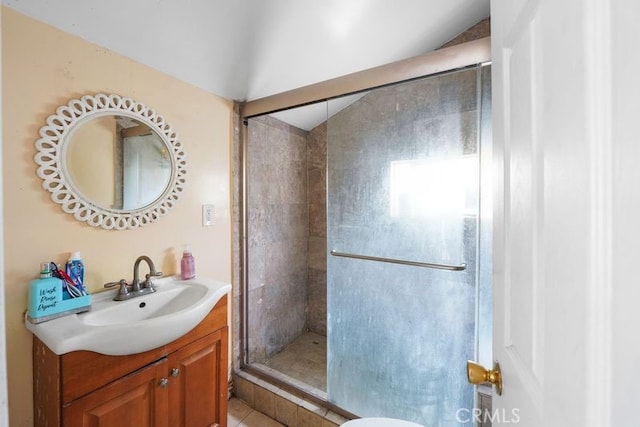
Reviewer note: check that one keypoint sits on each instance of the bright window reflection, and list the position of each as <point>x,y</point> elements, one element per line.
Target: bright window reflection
<point>434,186</point>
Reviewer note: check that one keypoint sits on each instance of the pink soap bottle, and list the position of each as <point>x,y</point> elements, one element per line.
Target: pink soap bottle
<point>187,264</point>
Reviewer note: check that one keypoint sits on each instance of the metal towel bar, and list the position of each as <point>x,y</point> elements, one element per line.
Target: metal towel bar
<point>460,267</point>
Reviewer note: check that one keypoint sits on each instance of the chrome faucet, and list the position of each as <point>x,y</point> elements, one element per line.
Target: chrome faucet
<point>127,291</point>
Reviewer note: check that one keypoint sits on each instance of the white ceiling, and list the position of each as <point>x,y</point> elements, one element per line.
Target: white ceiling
<point>248,49</point>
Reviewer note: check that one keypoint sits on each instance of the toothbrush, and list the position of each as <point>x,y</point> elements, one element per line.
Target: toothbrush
<point>70,287</point>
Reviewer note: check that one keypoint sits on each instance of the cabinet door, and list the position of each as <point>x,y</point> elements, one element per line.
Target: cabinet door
<point>140,399</point>
<point>198,377</point>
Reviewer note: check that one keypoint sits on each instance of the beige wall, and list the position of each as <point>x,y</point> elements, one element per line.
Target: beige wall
<point>43,68</point>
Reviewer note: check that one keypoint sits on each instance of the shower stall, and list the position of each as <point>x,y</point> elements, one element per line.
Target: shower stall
<point>367,256</point>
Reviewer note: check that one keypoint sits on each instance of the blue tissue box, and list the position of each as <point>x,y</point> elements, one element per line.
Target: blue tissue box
<point>46,301</point>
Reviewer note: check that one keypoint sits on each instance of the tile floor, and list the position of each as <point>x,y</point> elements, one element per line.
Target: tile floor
<point>305,360</point>
<point>239,414</point>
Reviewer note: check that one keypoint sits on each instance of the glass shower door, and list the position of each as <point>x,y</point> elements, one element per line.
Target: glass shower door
<point>403,185</point>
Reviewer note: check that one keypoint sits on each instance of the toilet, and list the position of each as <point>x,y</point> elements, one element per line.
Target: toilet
<point>380,422</point>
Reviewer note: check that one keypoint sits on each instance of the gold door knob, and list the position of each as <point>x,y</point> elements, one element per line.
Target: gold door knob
<point>477,374</point>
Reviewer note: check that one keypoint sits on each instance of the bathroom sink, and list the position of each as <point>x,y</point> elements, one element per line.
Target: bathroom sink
<point>180,296</point>
<point>135,325</point>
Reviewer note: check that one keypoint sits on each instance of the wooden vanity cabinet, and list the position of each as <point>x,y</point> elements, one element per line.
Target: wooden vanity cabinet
<point>183,383</point>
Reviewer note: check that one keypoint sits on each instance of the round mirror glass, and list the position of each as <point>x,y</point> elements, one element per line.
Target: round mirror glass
<point>118,162</point>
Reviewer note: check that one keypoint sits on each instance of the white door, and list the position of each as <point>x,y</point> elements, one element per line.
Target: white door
<point>567,172</point>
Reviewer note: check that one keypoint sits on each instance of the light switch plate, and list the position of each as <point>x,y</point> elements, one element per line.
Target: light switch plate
<point>208,216</point>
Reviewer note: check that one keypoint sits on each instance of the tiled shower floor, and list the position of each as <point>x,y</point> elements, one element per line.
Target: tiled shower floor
<point>305,360</point>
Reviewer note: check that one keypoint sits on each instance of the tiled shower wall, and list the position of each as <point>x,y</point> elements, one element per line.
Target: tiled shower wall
<point>317,262</point>
<point>278,235</point>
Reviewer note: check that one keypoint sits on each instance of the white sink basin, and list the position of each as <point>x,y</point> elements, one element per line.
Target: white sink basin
<point>136,325</point>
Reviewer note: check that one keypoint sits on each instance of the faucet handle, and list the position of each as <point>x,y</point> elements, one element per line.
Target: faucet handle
<point>124,287</point>
<point>148,283</point>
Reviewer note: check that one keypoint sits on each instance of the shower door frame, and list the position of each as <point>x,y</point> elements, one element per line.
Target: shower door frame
<point>445,60</point>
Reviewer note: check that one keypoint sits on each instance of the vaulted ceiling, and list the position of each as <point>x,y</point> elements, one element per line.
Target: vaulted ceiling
<point>248,49</point>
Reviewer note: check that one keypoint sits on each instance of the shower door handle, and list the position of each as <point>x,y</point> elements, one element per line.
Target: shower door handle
<point>478,374</point>
<point>460,267</point>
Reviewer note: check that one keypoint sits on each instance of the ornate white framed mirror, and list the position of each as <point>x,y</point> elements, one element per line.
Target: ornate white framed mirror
<point>111,162</point>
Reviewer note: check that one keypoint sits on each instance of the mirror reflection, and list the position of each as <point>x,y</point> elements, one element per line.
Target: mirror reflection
<point>118,163</point>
